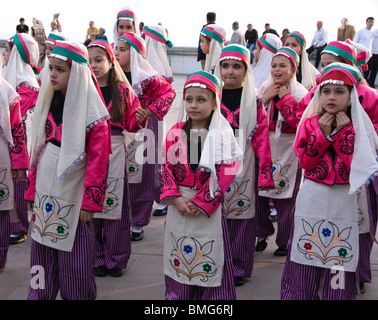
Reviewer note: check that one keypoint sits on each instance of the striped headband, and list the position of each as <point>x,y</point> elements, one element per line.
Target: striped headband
<point>203,80</point>
<point>362,58</point>
<point>291,54</point>
<point>210,32</point>
<point>53,38</point>
<point>126,15</point>
<point>299,36</point>
<point>235,52</point>
<point>69,53</point>
<point>156,36</point>
<point>21,47</point>
<point>102,43</point>
<point>133,40</point>
<point>345,51</point>
<point>265,44</point>
<point>330,74</point>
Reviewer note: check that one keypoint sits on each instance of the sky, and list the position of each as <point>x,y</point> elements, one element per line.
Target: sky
<point>184,19</point>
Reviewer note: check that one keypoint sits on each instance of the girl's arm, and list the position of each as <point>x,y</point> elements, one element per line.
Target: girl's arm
<point>97,148</point>
<point>343,143</point>
<point>288,108</point>
<point>261,147</point>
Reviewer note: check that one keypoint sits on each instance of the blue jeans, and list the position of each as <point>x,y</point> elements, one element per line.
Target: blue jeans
<point>251,47</point>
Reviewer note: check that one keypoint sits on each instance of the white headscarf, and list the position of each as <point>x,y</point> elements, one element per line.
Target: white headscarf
<point>364,163</point>
<point>261,70</point>
<point>19,70</point>
<point>216,46</point>
<point>126,13</point>
<point>83,108</point>
<point>156,51</point>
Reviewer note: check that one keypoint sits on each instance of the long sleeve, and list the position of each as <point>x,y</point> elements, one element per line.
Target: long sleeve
<point>29,98</point>
<point>261,147</point>
<point>131,101</point>
<point>97,149</point>
<point>288,108</point>
<point>19,153</point>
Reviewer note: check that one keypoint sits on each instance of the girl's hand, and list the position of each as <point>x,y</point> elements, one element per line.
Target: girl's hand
<point>182,206</point>
<point>342,120</point>
<point>17,174</point>
<point>194,210</point>
<point>86,216</point>
<point>284,90</point>
<point>271,92</point>
<point>325,122</point>
<point>141,114</point>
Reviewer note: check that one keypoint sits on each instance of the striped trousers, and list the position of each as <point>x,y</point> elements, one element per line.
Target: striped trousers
<point>4,236</point>
<point>178,291</point>
<point>71,273</point>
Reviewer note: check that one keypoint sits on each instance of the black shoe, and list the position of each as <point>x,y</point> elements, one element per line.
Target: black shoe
<point>362,287</point>
<point>100,271</point>
<point>262,244</point>
<point>116,272</point>
<point>137,236</point>
<point>281,252</point>
<point>239,281</point>
<point>15,240</point>
<point>160,212</point>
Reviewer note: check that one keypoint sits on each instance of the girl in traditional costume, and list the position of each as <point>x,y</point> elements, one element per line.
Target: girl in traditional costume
<point>266,48</point>
<point>21,57</point>
<point>202,158</point>
<point>281,94</point>
<point>336,145</point>
<point>306,73</point>
<point>347,52</point>
<point>70,150</point>
<point>156,96</point>
<point>126,21</point>
<point>14,159</point>
<point>213,40</point>
<point>112,226</point>
<point>247,116</point>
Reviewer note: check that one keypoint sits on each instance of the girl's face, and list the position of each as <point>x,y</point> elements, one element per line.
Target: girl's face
<point>100,64</point>
<point>122,54</point>
<point>335,98</point>
<point>282,70</point>
<point>125,26</point>
<point>199,104</point>
<point>256,52</point>
<point>294,44</point>
<point>205,45</point>
<point>232,73</point>
<point>6,53</point>
<point>326,59</point>
<point>59,74</point>
<point>49,49</point>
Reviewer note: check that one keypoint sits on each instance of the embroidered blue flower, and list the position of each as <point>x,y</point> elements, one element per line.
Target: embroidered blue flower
<point>188,249</point>
<point>229,189</point>
<point>326,232</point>
<point>48,207</point>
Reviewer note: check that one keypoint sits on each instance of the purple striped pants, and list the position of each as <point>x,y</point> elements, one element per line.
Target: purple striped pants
<point>69,272</point>
<point>178,291</point>
<point>302,282</point>
<point>113,244</point>
<point>4,236</point>
<point>285,209</point>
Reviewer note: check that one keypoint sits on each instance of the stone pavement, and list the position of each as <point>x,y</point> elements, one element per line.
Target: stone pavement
<point>143,279</point>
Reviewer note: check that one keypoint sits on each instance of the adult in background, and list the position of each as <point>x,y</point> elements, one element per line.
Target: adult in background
<point>201,56</point>
<point>91,31</point>
<point>237,37</point>
<point>22,27</point>
<point>285,32</point>
<point>365,37</point>
<point>101,34</point>
<point>268,29</point>
<point>319,42</point>
<point>373,61</point>
<point>346,31</point>
<point>251,36</point>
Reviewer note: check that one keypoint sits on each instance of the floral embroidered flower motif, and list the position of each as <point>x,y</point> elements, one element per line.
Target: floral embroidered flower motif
<point>131,169</point>
<point>48,207</point>
<point>60,229</point>
<point>207,267</point>
<point>307,246</point>
<point>240,203</point>
<point>188,249</point>
<point>109,201</point>
<point>326,232</point>
<point>2,193</point>
<point>176,262</point>
<point>236,199</point>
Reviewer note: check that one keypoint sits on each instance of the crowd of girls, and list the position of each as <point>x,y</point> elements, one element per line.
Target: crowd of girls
<point>280,134</point>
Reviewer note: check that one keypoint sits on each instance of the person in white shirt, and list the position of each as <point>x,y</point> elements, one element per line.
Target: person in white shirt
<point>373,61</point>
<point>319,42</point>
<point>365,35</point>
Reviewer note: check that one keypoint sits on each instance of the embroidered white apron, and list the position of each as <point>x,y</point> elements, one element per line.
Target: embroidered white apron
<point>285,166</point>
<point>194,255</point>
<point>6,181</point>
<point>239,198</point>
<point>326,227</point>
<point>112,208</point>
<point>57,203</point>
